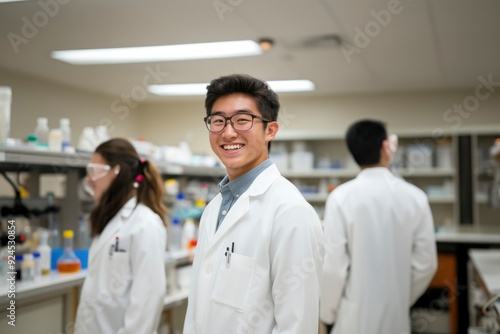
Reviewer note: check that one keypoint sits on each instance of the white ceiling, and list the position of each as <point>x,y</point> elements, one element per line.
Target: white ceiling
<point>426,45</point>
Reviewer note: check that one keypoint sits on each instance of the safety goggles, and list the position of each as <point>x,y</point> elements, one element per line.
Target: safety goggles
<point>96,171</point>
<point>393,142</point>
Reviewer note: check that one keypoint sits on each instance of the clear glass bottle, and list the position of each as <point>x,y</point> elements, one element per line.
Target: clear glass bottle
<point>68,262</point>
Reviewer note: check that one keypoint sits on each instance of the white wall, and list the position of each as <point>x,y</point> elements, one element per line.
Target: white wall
<point>32,98</point>
<point>171,123</point>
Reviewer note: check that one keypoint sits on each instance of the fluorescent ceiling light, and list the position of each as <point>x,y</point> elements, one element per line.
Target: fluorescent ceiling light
<point>184,89</point>
<point>291,85</point>
<point>159,53</point>
<point>201,88</point>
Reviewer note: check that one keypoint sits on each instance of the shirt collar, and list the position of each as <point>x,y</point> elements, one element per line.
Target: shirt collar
<point>242,183</point>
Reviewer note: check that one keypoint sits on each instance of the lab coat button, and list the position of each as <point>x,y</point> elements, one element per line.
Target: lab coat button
<point>224,212</point>
<point>208,269</point>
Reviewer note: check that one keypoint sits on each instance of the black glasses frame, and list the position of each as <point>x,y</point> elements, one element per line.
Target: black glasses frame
<point>206,119</point>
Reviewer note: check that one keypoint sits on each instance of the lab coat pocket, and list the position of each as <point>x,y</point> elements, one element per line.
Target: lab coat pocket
<point>233,282</point>
<point>119,273</point>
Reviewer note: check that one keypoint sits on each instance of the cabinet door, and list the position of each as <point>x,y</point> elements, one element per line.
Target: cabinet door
<point>486,181</point>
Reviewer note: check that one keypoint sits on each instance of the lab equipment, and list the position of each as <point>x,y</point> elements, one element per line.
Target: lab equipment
<point>83,233</point>
<point>5,102</point>
<point>495,187</point>
<point>52,221</point>
<point>68,262</point>
<point>42,132</point>
<point>28,267</point>
<point>175,235</point>
<point>189,238</point>
<point>55,140</point>
<point>38,268</point>
<point>45,252</point>
<point>65,132</point>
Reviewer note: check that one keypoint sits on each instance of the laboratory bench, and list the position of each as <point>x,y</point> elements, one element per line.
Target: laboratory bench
<point>453,275</point>
<point>48,304</point>
<point>484,287</point>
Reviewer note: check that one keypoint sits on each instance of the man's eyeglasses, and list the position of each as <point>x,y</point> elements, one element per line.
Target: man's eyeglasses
<point>96,171</point>
<point>240,122</point>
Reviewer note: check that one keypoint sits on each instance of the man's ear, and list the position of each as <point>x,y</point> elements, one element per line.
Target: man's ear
<point>271,130</point>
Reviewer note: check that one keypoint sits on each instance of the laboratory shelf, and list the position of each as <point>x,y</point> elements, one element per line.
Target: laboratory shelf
<point>173,169</point>
<point>315,197</point>
<point>56,161</point>
<point>426,172</point>
<point>441,199</point>
<point>321,173</point>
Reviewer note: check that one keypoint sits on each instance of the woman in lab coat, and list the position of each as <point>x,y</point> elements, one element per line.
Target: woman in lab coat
<point>125,286</point>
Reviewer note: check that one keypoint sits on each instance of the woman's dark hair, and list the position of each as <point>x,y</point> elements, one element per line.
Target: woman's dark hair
<point>265,98</point>
<point>119,151</point>
<point>364,140</point>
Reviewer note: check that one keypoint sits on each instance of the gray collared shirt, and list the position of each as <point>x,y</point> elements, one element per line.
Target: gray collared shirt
<point>231,191</point>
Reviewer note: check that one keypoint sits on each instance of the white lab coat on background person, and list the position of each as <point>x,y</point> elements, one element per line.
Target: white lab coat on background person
<point>272,281</point>
<point>383,253</point>
<point>124,290</point>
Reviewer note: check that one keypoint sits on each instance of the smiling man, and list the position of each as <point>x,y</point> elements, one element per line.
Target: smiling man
<point>260,245</point>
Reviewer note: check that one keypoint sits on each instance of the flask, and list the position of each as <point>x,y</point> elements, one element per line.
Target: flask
<point>68,262</point>
<point>65,132</point>
<point>175,235</point>
<point>5,102</point>
<point>45,252</point>
<point>55,140</point>
<point>42,132</point>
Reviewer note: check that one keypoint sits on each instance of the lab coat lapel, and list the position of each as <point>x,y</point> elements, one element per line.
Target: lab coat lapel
<point>242,205</point>
<point>114,225</point>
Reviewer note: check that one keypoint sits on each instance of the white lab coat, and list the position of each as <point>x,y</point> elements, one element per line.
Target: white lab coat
<point>124,292</point>
<point>272,283</point>
<point>380,253</point>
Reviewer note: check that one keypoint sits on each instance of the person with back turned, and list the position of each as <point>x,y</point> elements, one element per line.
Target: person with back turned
<point>383,253</point>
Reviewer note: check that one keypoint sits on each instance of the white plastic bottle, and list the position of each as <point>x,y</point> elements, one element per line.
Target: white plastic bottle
<point>66,133</point>
<point>5,103</point>
<point>83,233</point>
<point>55,140</point>
<point>189,235</point>
<point>45,252</point>
<point>175,235</point>
<point>42,133</point>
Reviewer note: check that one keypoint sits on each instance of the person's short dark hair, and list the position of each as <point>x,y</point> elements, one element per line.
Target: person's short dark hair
<point>364,140</point>
<point>265,98</point>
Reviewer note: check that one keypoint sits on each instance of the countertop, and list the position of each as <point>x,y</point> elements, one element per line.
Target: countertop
<point>57,282</point>
<point>41,285</point>
<point>470,234</point>
<point>487,264</point>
